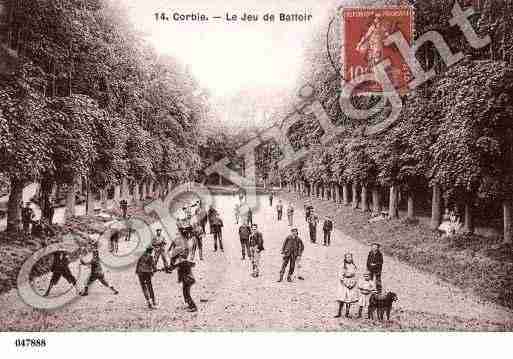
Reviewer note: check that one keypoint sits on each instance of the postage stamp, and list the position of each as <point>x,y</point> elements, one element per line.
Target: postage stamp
<point>364,30</point>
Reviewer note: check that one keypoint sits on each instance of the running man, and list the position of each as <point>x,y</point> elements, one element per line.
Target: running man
<point>96,273</point>
<point>60,268</point>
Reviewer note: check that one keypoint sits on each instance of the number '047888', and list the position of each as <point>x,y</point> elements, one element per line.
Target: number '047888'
<point>30,342</point>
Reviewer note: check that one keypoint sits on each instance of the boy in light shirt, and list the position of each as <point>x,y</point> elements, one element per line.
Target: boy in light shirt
<point>366,287</point>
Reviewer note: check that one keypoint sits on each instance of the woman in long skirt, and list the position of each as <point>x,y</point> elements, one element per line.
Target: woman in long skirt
<point>347,288</point>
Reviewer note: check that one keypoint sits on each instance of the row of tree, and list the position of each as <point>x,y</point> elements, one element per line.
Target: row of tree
<point>88,98</point>
<point>454,135</point>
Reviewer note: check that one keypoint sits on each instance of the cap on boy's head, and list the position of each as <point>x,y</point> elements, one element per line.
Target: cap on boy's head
<point>254,225</point>
<point>159,230</point>
<point>375,244</point>
<point>293,230</point>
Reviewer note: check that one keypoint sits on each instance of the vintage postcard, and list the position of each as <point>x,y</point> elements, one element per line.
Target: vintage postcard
<point>290,167</point>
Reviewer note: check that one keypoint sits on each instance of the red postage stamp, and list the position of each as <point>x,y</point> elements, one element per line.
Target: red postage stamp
<point>364,30</point>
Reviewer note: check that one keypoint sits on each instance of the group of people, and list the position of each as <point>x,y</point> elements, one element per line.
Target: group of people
<point>351,290</point>
<point>180,254</point>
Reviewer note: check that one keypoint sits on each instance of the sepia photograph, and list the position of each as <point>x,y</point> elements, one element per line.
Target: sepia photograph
<point>255,167</point>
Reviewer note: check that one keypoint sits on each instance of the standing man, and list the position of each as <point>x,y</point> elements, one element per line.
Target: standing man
<point>60,268</point>
<point>308,212</point>
<point>271,196</point>
<point>159,248</point>
<point>312,226</point>
<point>292,248</point>
<point>256,246</point>
<point>375,265</point>
<point>27,215</point>
<point>212,213</point>
<point>290,214</point>
<point>197,237</point>
<point>279,210</point>
<point>96,273</point>
<point>124,207</point>
<point>327,227</point>
<point>237,212</point>
<point>202,218</point>
<point>145,269</point>
<point>217,229</point>
<point>244,233</point>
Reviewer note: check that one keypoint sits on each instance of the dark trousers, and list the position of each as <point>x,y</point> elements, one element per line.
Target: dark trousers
<point>124,212</point>
<point>313,233</point>
<point>197,245</point>
<point>289,260</point>
<point>64,273</point>
<point>26,226</point>
<point>147,286</point>
<point>377,276</point>
<point>244,243</point>
<point>271,202</point>
<point>218,237</point>
<point>327,237</point>
<point>280,214</point>
<point>186,289</point>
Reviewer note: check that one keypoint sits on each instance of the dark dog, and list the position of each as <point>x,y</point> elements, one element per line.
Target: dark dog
<point>381,303</point>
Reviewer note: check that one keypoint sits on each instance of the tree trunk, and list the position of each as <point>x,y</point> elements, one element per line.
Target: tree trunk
<point>14,206</point>
<point>435,208</point>
<point>508,230</point>
<point>71,200</point>
<point>411,206</point>
<point>103,199</point>
<point>376,203</point>
<point>469,223</point>
<point>117,193</point>
<point>393,212</point>
<point>354,190</point>
<point>365,203</point>
<point>45,190</point>
<point>124,189</point>
<point>345,194</point>
<point>90,202</point>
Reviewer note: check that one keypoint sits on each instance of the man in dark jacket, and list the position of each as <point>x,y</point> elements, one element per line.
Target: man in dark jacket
<point>216,225</point>
<point>279,210</point>
<point>185,276</point>
<point>375,265</point>
<point>145,269</point>
<point>123,204</point>
<point>96,273</point>
<point>308,211</point>
<point>256,246</point>
<point>312,226</point>
<point>27,215</point>
<point>244,233</point>
<point>60,268</point>
<point>327,227</point>
<point>292,248</point>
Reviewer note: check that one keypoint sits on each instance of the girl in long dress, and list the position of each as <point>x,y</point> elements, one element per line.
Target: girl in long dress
<point>347,288</point>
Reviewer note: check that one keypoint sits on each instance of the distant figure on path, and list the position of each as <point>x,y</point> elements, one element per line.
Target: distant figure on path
<point>256,246</point>
<point>290,214</point>
<point>60,268</point>
<point>308,211</point>
<point>124,207</point>
<point>96,273</point>
<point>237,212</point>
<point>114,241</point>
<point>145,269</point>
<point>27,215</point>
<point>244,233</point>
<point>375,265</point>
<point>347,286</point>
<point>159,248</point>
<point>312,226</point>
<point>279,210</point>
<point>212,213</point>
<point>197,239</point>
<point>292,248</point>
<point>327,227</point>
<point>271,196</point>
<point>216,226</point>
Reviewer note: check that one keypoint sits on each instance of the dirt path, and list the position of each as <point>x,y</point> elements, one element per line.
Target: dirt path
<point>230,299</point>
